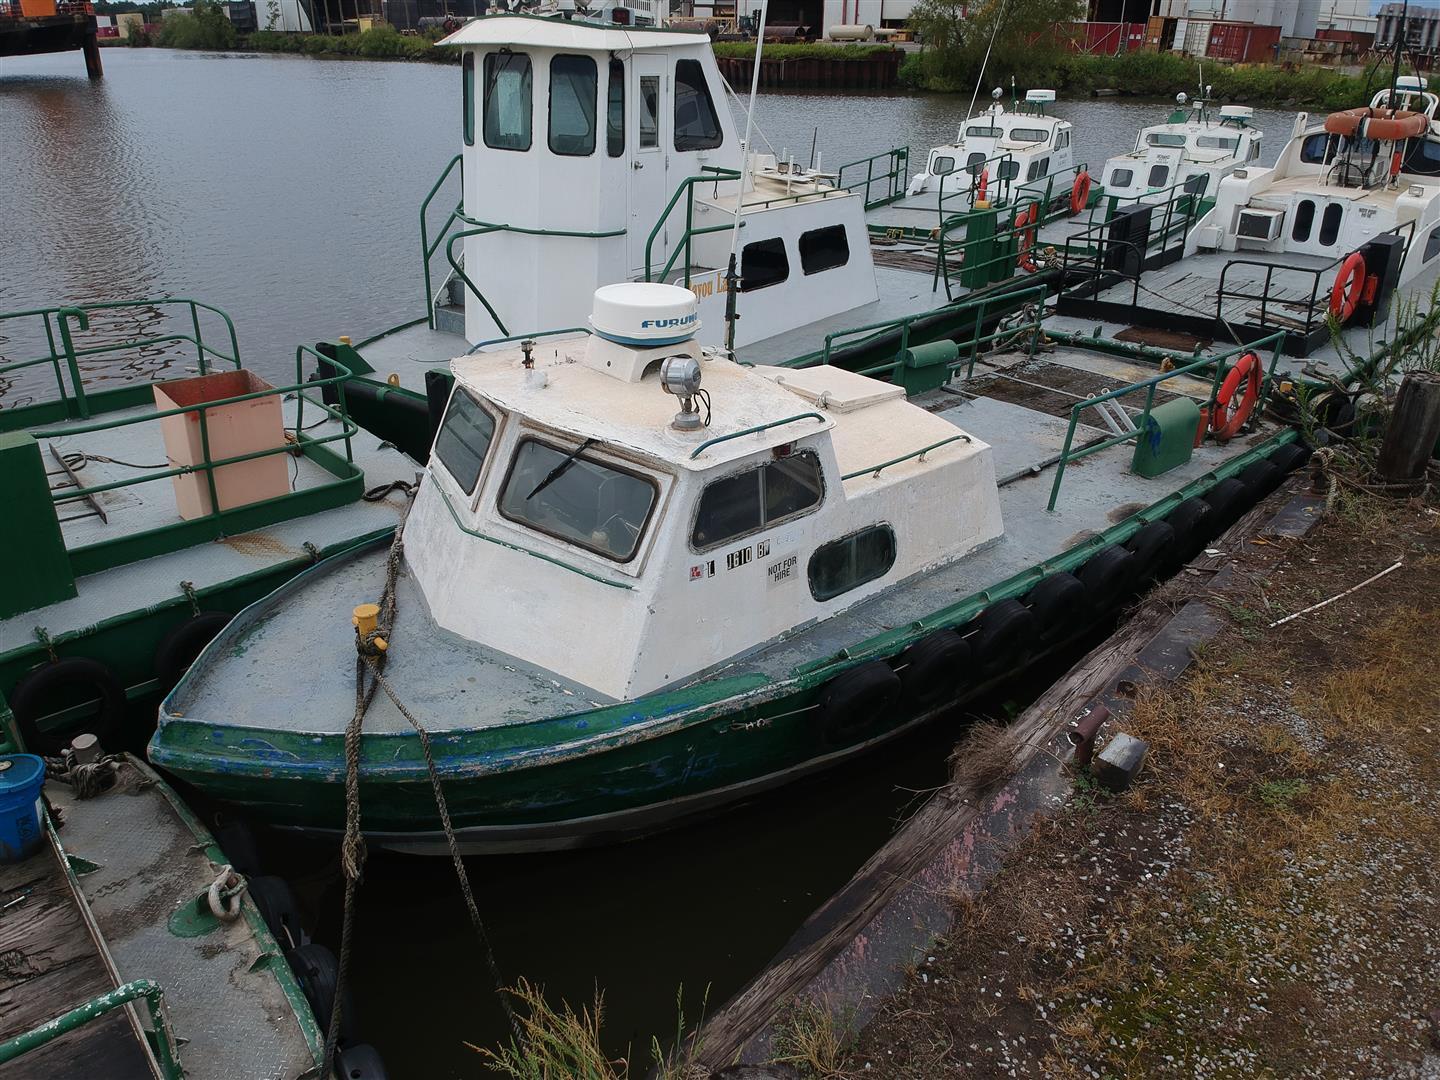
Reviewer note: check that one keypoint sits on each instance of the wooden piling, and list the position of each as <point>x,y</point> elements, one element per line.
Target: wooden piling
<point>91,48</point>
<point>1413,431</point>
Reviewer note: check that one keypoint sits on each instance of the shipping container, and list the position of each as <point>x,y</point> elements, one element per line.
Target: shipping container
<point>1242,43</point>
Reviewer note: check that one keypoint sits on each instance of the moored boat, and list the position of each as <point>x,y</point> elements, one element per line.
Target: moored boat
<point>1192,151</point>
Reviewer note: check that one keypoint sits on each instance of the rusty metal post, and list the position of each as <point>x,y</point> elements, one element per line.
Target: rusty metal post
<point>1082,735</point>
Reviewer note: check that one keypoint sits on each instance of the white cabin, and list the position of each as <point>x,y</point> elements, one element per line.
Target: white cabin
<point>1011,148</point>
<point>599,153</point>
<point>573,520</point>
<point>1188,154</point>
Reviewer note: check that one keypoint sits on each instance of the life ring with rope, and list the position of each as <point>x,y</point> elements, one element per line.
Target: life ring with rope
<point>1079,192</point>
<point>1349,285</point>
<point>1025,226</point>
<point>1232,405</point>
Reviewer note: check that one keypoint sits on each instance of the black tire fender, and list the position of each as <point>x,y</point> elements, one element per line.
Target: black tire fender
<point>932,667</point>
<point>1229,500</point>
<point>1261,477</point>
<point>179,648</point>
<point>1058,604</point>
<point>1109,577</point>
<point>1191,522</point>
<point>317,972</point>
<point>1290,457</point>
<point>34,695</point>
<point>1007,634</point>
<point>1153,546</point>
<point>275,901</point>
<point>853,703</point>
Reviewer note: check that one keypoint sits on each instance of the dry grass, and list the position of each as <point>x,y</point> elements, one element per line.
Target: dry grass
<point>985,758</point>
<point>811,1039</point>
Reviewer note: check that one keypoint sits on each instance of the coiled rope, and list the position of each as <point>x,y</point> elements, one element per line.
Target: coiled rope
<point>369,678</point>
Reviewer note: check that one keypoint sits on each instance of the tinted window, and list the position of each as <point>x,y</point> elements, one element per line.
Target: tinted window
<point>1062,140</point>
<point>464,437</point>
<point>822,249</point>
<point>1165,139</point>
<point>757,498</point>
<point>649,111</point>
<point>1422,157</point>
<point>1330,224</point>
<point>983,132</point>
<point>1122,177</point>
<point>1315,150</point>
<point>593,505</point>
<point>507,101</point>
<point>842,565</point>
<point>696,125</point>
<point>1007,170</point>
<point>1195,185</point>
<point>1028,134</point>
<point>942,165</point>
<point>467,95</point>
<point>1432,244</point>
<point>1159,175</point>
<point>1304,219</point>
<point>1254,150</point>
<point>572,106</point>
<point>763,264</point>
<point>975,162</point>
<point>1218,142</point>
<point>615,111</point>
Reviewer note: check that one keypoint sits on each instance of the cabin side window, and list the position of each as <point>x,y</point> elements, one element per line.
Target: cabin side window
<point>983,132</point>
<point>1164,138</point>
<point>1317,149</point>
<point>1007,169</point>
<point>1330,224</point>
<point>1304,220</point>
<point>467,96</point>
<point>762,264</point>
<point>577,498</point>
<point>942,165</point>
<point>1028,135</point>
<point>649,112</point>
<point>1195,183</point>
<point>1254,150</point>
<point>1217,142</point>
<point>696,125</point>
<point>1062,140</point>
<point>1159,176</point>
<point>1432,244</point>
<point>848,563</point>
<point>464,439</point>
<point>1038,168</point>
<point>824,249</point>
<point>755,499</point>
<point>1422,157</point>
<point>975,162</point>
<point>1121,178</point>
<point>508,83</point>
<point>572,105</point>
<point>615,110</point>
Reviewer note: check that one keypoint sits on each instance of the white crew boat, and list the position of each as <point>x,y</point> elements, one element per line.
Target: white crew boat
<point>1191,152</point>
<point>1005,148</point>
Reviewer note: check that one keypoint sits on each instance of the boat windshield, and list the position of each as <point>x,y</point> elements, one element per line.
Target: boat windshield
<point>567,494</point>
<point>464,439</point>
<point>1029,134</point>
<point>1164,138</point>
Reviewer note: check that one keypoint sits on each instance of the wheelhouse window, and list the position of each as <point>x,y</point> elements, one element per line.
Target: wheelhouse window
<point>1038,168</point>
<point>1062,140</point>
<point>508,89</point>
<point>763,264</point>
<point>975,162</point>
<point>696,125</point>
<point>1165,138</point>
<point>467,96</point>
<point>842,565</point>
<point>1330,224</point>
<point>567,494</point>
<point>1317,149</point>
<point>1217,142</point>
<point>982,132</point>
<point>824,249</point>
<point>1121,178</point>
<point>942,165</point>
<point>649,112</point>
<point>1254,151</point>
<point>572,105</point>
<point>1195,183</point>
<point>1029,135</point>
<point>1422,157</point>
<point>1159,176</point>
<point>755,499</point>
<point>464,439</point>
<point>1304,221</point>
<point>615,110</point>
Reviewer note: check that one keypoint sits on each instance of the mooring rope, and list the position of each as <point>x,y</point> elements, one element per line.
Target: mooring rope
<point>370,657</point>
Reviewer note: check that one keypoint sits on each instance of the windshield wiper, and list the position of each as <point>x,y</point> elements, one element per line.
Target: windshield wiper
<point>559,470</point>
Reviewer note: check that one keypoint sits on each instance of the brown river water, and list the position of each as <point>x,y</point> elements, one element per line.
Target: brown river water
<point>286,190</point>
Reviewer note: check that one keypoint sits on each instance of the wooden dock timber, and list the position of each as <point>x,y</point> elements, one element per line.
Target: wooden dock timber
<point>50,963</point>
<point>858,946</point>
<point>878,72</point>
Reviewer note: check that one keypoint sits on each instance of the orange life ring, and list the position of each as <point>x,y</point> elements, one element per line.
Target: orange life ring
<point>1229,414</point>
<point>1080,192</point>
<point>983,185</point>
<point>1025,226</point>
<point>1349,284</point>
<point>1388,125</point>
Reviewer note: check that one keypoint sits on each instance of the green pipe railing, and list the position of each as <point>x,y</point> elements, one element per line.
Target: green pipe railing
<point>1067,454</point>
<point>896,176</point>
<point>754,431</point>
<point>60,318</point>
<point>536,336</point>
<point>875,470</point>
<point>162,1039</point>
<point>708,174</point>
<point>427,249</point>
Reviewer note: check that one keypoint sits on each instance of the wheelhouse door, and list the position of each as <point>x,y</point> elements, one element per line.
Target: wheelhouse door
<point>650,140</point>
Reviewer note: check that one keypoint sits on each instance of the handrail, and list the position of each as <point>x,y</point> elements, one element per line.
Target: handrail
<point>1277,340</point>
<point>524,551</point>
<point>1222,293</point>
<point>80,314</point>
<point>427,250</point>
<point>899,169</point>
<point>686,187</point>
<point>875,469</point>
<point>164,1040</point>
<point>535,336</point>
<point>754,431</point>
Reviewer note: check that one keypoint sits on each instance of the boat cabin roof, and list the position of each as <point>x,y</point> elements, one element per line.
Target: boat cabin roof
<point>535,31</point>
<point>585,401</point>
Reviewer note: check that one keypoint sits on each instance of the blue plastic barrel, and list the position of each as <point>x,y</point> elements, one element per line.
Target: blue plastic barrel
<point>21,778</point>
